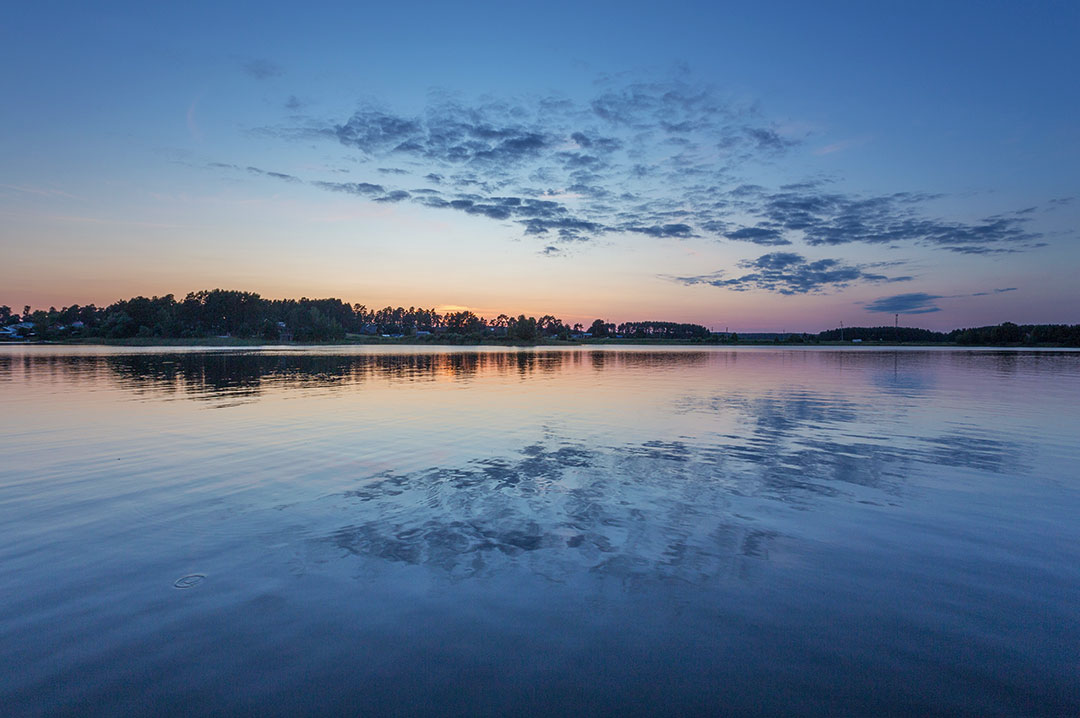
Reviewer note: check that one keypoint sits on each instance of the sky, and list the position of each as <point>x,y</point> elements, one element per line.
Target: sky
<point>752,166</point>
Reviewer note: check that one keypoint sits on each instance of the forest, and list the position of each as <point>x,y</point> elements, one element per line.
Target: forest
<point>230,313</point>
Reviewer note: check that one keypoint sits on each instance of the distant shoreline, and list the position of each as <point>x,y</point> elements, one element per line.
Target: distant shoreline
<point>241,342</point>
<point>220,317</point>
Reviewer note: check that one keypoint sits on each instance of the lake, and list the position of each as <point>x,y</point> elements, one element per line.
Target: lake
<point>582,531</point>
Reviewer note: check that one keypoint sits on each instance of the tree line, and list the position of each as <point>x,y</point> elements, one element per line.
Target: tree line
<point>231,313</point>
<point>1004,334</point>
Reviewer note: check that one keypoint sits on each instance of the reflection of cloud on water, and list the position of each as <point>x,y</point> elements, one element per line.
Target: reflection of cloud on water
<point>651,511</point>
<point>904,381</point>
<point>967,450</point>
<point>688,508</point>
<point>659,509</point>
<point>807,440</point>
<point>775,412</point>
<point>789,447</point>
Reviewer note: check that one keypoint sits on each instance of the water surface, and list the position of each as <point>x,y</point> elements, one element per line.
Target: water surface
<point>496,531</point>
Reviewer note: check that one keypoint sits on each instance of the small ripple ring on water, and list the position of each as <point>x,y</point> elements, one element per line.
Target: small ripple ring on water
<point>189,581</point>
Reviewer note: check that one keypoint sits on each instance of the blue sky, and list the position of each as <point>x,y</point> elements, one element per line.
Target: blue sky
<point>758,166</point>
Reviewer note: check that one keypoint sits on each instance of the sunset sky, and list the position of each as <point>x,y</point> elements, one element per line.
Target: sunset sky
<point>759,166</point>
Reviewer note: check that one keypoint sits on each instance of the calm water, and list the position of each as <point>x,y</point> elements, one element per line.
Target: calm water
<point>579,531</point>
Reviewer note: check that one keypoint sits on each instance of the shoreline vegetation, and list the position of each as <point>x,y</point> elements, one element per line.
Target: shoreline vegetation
<point>235,318</point>
<point>458,341</point>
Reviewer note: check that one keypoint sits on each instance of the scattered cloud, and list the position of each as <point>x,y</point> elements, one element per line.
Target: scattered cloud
<point>364,189</point>
<point>659,159</point>
<point>397,195</point>
<point>913,303</point>
<point>761,234</point>
<point>791,273</point>
<point>255,171</point>
<point>822,218</point>
<point>643,158</point>
<point>276,175</point>
<point>920,302</point>
<point>766,139</point>
<point>262,69</point>
<point>665,230</point>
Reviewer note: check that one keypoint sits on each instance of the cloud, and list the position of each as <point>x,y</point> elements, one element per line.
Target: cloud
<point>597,143</point>
<point>660,159</point>
<point>397,195</point>
<point>913,303</point>
<point>276,175</point>
<point>262,69</point>
<point>666,230</point>
<point>568,228</point>
<point>823,218</point>
<point>995,250</point>
<point>294,103</point>
<point>364,189</point>
<point>920,302</point>
<point>374,131</point>
<point>765,235</point>
<point>622,162</point>
<point>449,134</point>
<point>255,171</point>
<point>791,273</point>
<point>766,139</point>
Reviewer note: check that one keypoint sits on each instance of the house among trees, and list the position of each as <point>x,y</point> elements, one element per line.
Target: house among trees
<point>17,330</point>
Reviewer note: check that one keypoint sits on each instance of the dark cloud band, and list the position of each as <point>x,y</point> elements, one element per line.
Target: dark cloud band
<point>791,273</point>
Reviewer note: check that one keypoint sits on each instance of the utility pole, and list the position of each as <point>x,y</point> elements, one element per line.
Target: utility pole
<point>841,331</point>
<point>897,325</point>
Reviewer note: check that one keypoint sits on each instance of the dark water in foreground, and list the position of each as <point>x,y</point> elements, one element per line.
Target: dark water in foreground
<point>614,531</point>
